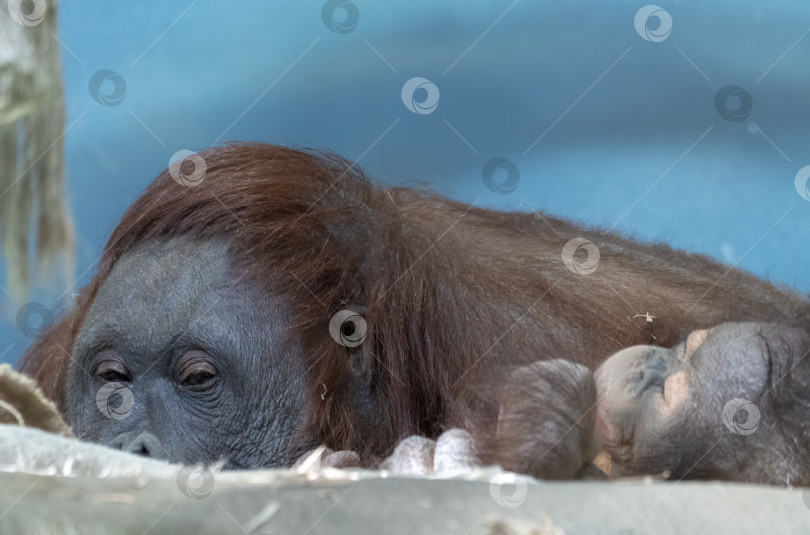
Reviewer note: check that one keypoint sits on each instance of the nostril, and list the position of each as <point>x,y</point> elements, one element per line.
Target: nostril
<point>138,443</point>
<point>140,448</point>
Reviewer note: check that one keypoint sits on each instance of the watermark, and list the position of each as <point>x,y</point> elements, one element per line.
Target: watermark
<point>653,23</point>
<point>33,319</point>
<point>348,328</point>
<point>115,400</point>
<point>187,168</point>
<point>107,87</point>
<point>195,481</point>
<point>27,12</point>
<point>581,267</point>
<point>508,490</point>
<point>733,103</point>
<point>420,95</point>
<point>500,176</point>
<point>741,416</point>
<point>801,182</point>
<point>340,16</point>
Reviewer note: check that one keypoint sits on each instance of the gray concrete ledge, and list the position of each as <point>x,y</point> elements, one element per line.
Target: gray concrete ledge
<point>54,485</point>
<point>485,502</point>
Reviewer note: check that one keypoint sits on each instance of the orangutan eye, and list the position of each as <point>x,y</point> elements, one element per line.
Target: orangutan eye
<point>196,371</point>
<point>112,371</point>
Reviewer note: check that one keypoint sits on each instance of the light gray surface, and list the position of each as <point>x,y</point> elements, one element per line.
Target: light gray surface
<point>170,499</point>
<point>294,504</point>
<point>30,450</point>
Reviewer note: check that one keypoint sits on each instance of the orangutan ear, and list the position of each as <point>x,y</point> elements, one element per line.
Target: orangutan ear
<point>360,366</point>
<point>348,328</point>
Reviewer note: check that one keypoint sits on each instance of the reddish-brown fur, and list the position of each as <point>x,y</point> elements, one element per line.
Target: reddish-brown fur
<point>452,293</point>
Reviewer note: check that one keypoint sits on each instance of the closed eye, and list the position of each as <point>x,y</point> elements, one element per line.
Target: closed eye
<point>197,378</point>
<point>196,371</point>
<point>112,371</point>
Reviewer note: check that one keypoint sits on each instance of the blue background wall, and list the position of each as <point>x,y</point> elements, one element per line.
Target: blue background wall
<point>605,126</point>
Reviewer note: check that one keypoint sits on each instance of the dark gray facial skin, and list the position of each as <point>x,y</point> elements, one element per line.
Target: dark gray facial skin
<point>731,402</point>
<point>212,372</point>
